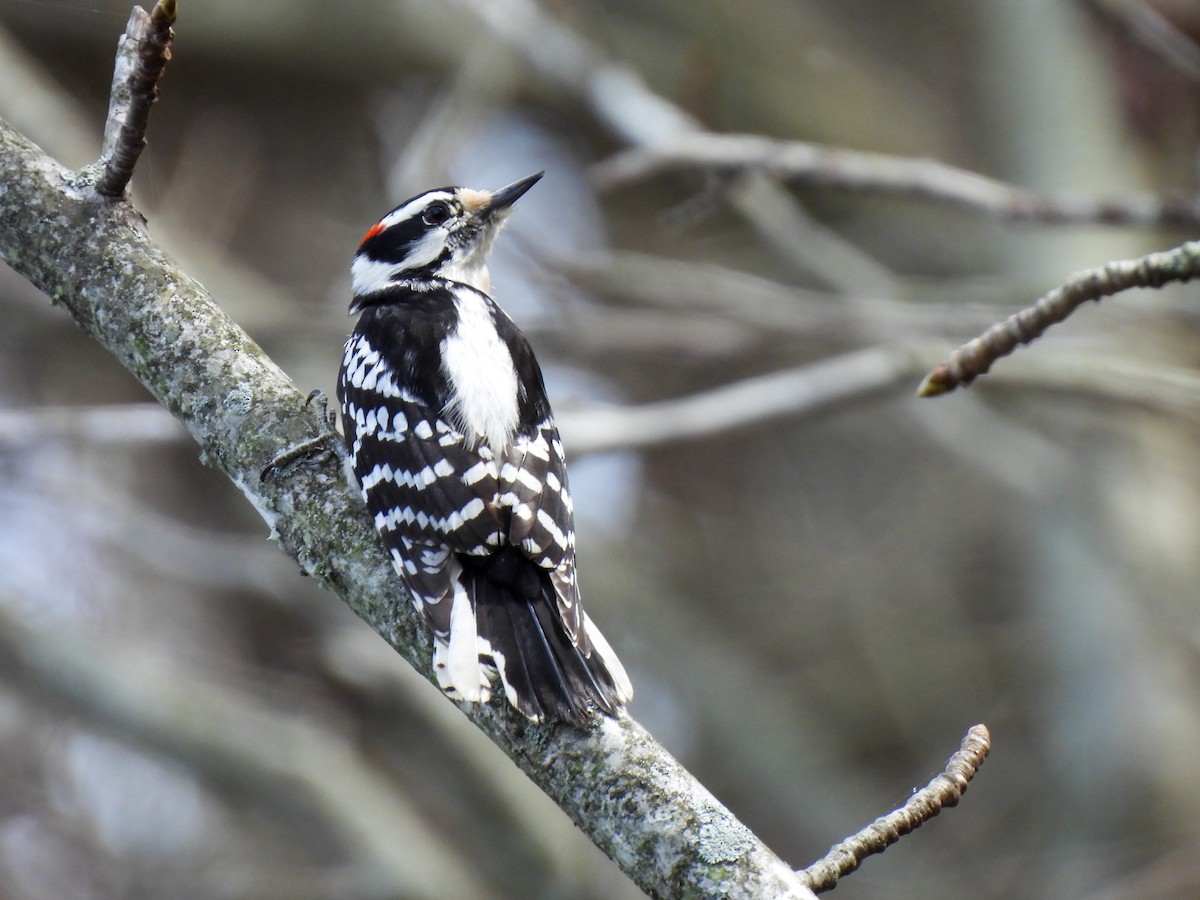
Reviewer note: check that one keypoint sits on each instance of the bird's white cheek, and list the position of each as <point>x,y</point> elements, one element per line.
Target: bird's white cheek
<point>427,249</point>
<point>371,275</point>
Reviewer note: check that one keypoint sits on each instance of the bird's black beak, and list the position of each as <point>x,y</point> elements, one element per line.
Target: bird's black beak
<point>507,196</point>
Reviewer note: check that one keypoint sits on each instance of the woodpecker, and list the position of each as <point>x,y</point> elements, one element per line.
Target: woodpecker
<point>454,445</point>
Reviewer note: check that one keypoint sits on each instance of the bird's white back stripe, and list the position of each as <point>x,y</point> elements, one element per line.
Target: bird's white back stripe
<point>479,368</point>
<point>419,480</point>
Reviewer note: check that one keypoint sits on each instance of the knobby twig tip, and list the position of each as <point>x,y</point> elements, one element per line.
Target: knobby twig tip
<point>939,381</point>
<point>164,12</point>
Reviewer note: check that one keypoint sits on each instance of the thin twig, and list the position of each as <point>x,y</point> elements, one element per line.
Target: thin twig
<point>945,790</point>
<point>976,357</point>
<point>797,162</point>
<point>135,88</point>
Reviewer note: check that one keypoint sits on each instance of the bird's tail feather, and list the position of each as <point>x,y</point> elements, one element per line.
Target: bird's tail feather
<point>544,673</point>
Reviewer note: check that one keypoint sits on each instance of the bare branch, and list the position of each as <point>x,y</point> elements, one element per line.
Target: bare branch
<point>746,299</point>
<point>797,162</point>
<point>142,53</point>
<point>945,790</point>
<point>805,390</point>
<point>976,357</point>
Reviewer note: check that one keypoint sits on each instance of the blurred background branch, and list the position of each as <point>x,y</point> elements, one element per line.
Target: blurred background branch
<point>846,170</point>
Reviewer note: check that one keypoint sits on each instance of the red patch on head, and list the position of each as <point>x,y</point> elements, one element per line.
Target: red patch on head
<point>374,230</point>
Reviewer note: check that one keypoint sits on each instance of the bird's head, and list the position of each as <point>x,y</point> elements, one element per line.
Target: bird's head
<point>443,233</point>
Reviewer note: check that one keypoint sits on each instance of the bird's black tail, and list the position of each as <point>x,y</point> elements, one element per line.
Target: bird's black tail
<point>546,674</point>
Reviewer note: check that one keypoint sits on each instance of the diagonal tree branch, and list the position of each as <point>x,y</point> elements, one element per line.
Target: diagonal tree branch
<point>1154,32</point>
<point>976,357</point>
<point>91,255</point>
<point>945,790</point>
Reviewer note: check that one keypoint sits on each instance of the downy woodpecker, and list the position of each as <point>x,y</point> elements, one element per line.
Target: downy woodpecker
<point>455,448</point>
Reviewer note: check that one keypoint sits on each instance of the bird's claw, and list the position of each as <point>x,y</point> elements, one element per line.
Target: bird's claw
<point>323,443</point>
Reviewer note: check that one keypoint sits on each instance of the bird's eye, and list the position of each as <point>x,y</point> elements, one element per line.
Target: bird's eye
<point>435,213</point>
